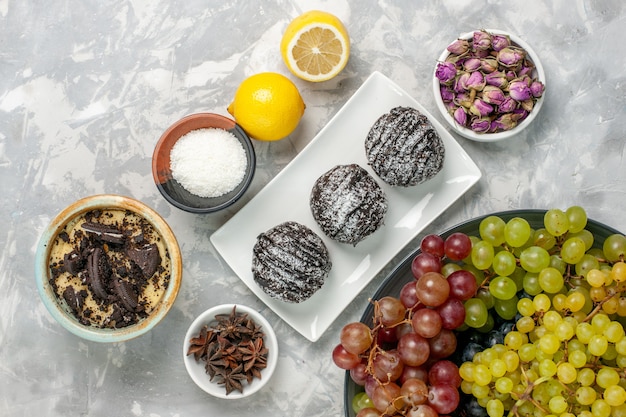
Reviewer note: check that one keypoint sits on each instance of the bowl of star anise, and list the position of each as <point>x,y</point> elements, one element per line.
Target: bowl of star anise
<point>230,351</point>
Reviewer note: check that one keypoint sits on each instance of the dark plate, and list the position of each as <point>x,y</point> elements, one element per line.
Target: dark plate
<point>394,282</point>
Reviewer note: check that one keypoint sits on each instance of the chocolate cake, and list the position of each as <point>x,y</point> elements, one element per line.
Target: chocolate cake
<point>290,262</point>
<point>403,147</point>
<point>348,204</point>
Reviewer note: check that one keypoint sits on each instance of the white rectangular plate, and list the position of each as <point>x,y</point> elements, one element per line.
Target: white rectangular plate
<point>286,197</point>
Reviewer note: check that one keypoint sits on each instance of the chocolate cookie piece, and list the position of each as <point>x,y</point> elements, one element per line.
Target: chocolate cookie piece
<point>348,204</point>
<point>290,262</point>
<point>403,147</point>
<point>146,257</point>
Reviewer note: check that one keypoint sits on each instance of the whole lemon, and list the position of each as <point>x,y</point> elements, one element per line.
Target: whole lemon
<point>268,106</point>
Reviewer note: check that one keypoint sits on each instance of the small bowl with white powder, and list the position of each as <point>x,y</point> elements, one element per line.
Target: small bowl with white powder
<point>203,163</point>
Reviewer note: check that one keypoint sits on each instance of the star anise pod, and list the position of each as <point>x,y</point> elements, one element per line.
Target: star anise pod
<point>232,326</point>
<point>254,357</point>
<point>232,380</point>
<point>198,345</point>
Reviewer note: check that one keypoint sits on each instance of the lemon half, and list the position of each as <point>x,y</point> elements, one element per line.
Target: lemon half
<point>315,46</point>
<point>268,106</point>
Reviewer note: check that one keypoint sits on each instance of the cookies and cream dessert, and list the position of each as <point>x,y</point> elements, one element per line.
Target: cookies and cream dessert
<point>348,204</point>
<point>290,262</point>
<point>110,267</point>
<point>403,147</point>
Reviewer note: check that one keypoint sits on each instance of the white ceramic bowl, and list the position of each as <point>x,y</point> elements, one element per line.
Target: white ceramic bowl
<point>497,136</point>
<point>196,369</point>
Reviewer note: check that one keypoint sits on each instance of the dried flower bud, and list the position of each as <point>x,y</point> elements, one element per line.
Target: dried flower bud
<point>480,125</point>
<point>463,99</point>
<point>447,94</point>
<point>488,65</point>
<point>505,122</point>
<point>499,42</point>
<point>519,90</point>
<point>510,57</point>
<point>445,72</point>
<point>471,64</point>
<point>537,88</point>
<point>497,79</point>
<point>480,108</point>
<point>493,95</point>
<point>460,83</point>
<point>460,116</point>
<point>508,105</point>
<point>528,104</point>
<point>459,47</point>
<point>481,40</point>
<point>476,81</point>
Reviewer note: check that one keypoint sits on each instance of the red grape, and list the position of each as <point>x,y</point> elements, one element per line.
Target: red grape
<point>457,246</point>
<point>443,398</point>
<point>414,391</point>
<point>408,295</point>
<point>422,410</point>
<point>356,337</point>
<point>425,262</point>
<point>387,365</point>
<point>359,373</point>
<point>433,244</point>
<point>463,284</point>
<point>432,289</point>
<point>344,359</point>
<point>419,372</point>
<point>413,349</point>
<point>444,372</point>
<point>386,398</point>
<point>387,335</point>
<point>426,322</point>
<point>442,345</point>
<point>391,311</point>
<point>368,412</point>
<point>452,313</point>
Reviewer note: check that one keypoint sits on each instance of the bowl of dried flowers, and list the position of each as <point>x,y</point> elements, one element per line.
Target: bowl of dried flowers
<point>230,351</point>
<point>489,85</point>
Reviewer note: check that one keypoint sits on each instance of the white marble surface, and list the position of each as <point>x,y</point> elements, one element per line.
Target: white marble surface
<point>87,87</point>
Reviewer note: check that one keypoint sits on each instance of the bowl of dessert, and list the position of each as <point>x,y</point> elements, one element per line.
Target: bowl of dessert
<point>489,85</point>
<point>203,163</point>
<point>230,351</point>
<point>108,268</point>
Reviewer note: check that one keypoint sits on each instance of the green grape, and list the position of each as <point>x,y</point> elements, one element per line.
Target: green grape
<point>586,264</point>
<point>600,408</point>
<point>557,404</point>
<point>482,254</point>
<point>606,377</point>
<point>360,401</point>
<point>584,332</point>
<point>480,391</point>
<point>488,326</point>
<point>564,331</point>
<point>497,367</point>
<point>518,277</point>
<point>547,368</point>
<point>577,358</point>
<point>491,229</point>
<point>558,263</point>
<point>549,343</point>
<point>614,332</point>
<point>502,288</point>
<point>556,222</point>
<point>585,395</point>
<point>507,309</point>
<point>542,302</point>
<point>485,295</point>
<point>449,268</point>
<point>598,344</point>
<point>600,323</point>
<point>586,377</point>
<point>527,352</point>
<point>558,302</point>
<point>573,250</point>
<point>515,339</point>
<point>577,217</point>
<point>516,232</point>
<point>504,263</point>
<point>512,362</point>
<point>475,313</point>
<point>585,235</point>
<point>543,239</point>
<point>525,324</point>
<point>504,385</point>
<point>482,374</point>
<point>526,307</point>
<point>566,372</point>
<point>614,395</point>
<point>495,408</point>
<point>614,247</point>
<point>551,280</point>
<point>534,259</point>
<point>531,283</point>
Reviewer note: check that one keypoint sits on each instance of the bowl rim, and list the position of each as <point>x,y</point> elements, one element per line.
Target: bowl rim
<point>491,137</point>
<point>196,370</point>
<point>212,120</point>
<point>55,306</point>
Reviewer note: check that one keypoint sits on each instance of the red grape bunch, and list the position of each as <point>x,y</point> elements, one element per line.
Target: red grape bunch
<point>401,359</point>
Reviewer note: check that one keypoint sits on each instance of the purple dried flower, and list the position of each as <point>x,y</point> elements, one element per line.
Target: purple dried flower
<point>510,57</point>
<point>476,81</point>
<point>505,122</point>
<point>488,65</point>
<point>446,93</point>
<point>493,95</point>
<point>460,116</point>
<point>508,105</point>
<point>497,79</point>
<point>460,83</point>
<point>499,42</point>
<point>480,108</point>
<point>537,88</point>
<point>463,99</point>
<point>445,72</point>
<point>459,47</point>
<point>480,125</point>
<point>519,90</point>
<point>471,64</point>
<point>481,40</point>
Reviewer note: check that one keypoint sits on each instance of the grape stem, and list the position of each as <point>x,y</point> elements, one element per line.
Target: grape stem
<point>527,395</point>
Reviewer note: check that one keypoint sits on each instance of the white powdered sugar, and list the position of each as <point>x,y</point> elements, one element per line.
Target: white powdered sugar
<point>208,162</point>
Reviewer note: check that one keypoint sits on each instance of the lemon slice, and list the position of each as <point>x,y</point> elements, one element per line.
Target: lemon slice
<point>315,46</point>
